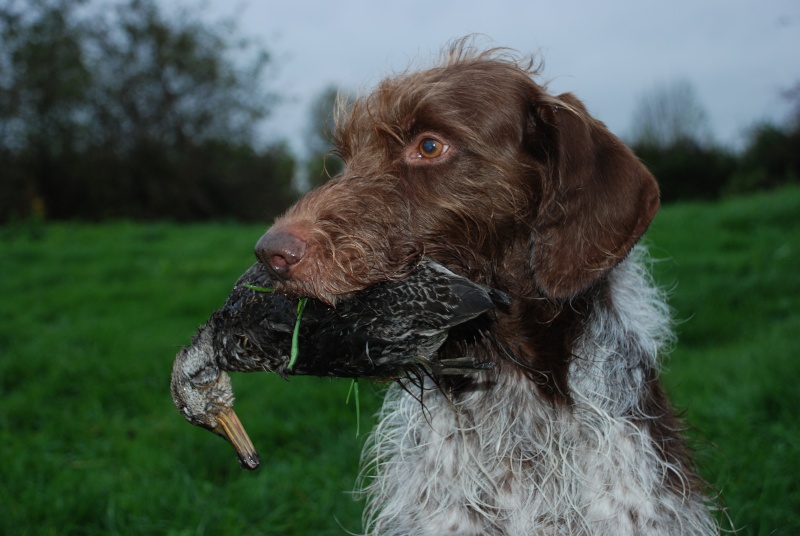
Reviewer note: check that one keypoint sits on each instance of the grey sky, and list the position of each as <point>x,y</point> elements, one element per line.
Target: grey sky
<point>739,55</point>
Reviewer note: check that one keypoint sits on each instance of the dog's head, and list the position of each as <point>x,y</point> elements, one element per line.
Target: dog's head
<point>473,163</point>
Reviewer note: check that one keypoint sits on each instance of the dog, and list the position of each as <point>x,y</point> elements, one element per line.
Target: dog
<point>473,163</point>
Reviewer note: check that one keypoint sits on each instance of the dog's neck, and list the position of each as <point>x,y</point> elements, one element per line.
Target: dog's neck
<point>535,337</point>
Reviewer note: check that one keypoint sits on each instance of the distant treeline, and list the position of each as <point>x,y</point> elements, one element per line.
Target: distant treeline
<point>117,109</point>
<point>689,169</point>
<point>120,109</point>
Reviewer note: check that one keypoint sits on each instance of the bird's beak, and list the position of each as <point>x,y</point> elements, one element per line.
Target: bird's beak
<point>232,430</point>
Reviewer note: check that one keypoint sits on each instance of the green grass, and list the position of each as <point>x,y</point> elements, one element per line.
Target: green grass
<point>735,271</point>
<point>91,318</point>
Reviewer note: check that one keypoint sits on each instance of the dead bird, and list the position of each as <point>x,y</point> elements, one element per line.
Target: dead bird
<point>374,333</point>
<point>203,394</point>
<point>383,331</point>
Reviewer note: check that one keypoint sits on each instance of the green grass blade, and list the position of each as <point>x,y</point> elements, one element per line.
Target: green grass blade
<point>354,390</point>
<point>301,304</point>
<point>259,289</point>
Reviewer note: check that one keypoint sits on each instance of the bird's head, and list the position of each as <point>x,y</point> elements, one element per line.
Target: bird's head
<point>203,394</point>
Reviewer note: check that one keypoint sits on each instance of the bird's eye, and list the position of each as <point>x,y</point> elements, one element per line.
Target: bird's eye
<point>204,377</point>
<point>431,148</point>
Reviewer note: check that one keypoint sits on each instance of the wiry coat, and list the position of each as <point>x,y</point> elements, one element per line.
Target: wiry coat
<point>501,460</point>
<point>474,164</point>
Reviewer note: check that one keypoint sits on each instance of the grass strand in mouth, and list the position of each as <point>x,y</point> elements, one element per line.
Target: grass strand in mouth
<point>301,304</point>
<point>259,289</point>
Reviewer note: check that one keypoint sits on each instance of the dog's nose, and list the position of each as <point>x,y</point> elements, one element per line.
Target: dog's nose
<point>279,250</point>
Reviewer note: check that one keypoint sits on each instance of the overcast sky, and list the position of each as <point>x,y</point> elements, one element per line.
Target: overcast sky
<point>738,54</point>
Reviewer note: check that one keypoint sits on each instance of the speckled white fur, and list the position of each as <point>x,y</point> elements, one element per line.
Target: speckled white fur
<point>503,461</point>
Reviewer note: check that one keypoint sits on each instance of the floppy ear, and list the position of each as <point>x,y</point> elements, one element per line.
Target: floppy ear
<point>597,199</point>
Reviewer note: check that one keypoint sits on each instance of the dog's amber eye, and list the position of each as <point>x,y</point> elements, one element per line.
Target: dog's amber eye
<point>431,148</point>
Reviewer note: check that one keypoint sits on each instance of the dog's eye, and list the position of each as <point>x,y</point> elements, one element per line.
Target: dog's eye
<point>431,148</point>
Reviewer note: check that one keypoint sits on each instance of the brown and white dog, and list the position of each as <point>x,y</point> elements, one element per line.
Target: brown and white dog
<point>474,164</point>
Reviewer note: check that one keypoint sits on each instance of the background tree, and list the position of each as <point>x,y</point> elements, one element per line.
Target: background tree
<point>43,82</point>
<point>772,155</point>
<point>322,163</point>
<point>669,114</point>
<point>113,109</point>
<point>671,135</point>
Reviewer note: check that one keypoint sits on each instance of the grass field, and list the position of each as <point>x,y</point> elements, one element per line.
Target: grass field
<point>91,317</point>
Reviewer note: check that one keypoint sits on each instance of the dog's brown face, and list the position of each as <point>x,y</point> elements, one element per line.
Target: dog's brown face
<point>477,166</point>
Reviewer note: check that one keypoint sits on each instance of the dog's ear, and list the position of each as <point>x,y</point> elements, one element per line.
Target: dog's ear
<point>597,199</point>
